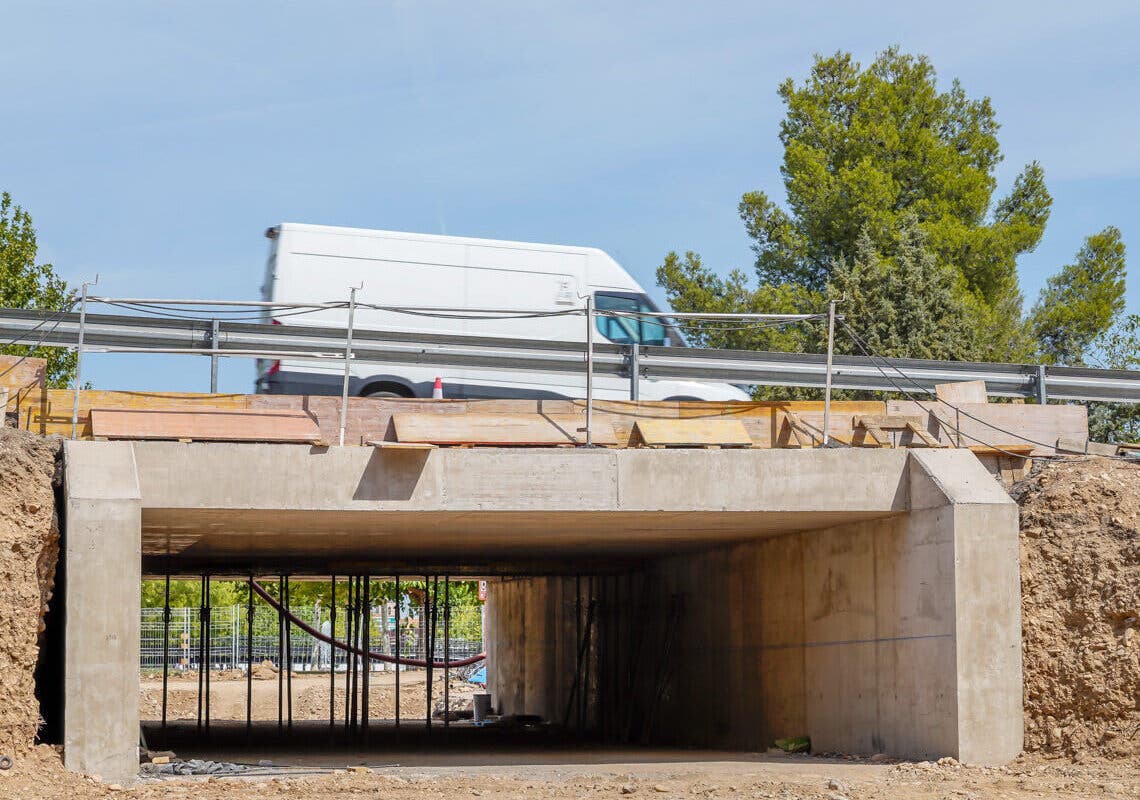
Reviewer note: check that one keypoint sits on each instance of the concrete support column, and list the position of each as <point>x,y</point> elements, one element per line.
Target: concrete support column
<point>104,565</point>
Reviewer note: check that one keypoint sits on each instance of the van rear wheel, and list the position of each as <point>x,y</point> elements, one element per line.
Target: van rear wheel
<point>387,390</point>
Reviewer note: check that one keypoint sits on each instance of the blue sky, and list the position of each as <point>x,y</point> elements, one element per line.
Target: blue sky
<point>154,142</point>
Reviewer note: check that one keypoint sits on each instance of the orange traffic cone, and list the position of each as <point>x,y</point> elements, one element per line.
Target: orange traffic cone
<point>437,390</point>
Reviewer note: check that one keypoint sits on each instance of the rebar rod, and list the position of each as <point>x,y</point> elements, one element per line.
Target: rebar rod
<point>399,641</point>
<point>288,653</point>
<point>165,650</point>
<point>249,659</point>
<point>332,652</point>
<point>280,654</point>
<point>201,640</point>
<point>209,654</point>
<point>366,606</point>
<point>446,651</point>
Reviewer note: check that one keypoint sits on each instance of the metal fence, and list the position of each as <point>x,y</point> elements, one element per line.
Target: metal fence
<point>228,637</point>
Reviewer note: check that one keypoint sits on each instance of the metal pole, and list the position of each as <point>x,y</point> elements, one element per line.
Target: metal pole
<point>332,653</point>
<point>280,652</point>
<point>827,385</point>
<point>399,641</point>
<point>208,648</point>
<point>165,650</point>
<point>288,651</point>
<point>249,658</point>
<point>347,360</point>
<point>349,656</point>
<point>79,357</point>
<point>446,651</point>
<point>214,356</point>
<point>590,370</point>
<point>366,642</point>
<point>1042,392</point>
<point>201,641</point>
<point>634,371</point>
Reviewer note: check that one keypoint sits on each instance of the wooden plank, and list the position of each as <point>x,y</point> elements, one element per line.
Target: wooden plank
<point>526,430</point>
<point>962,392</point>
<point>1017,448</point>
<point>402,445</point>
<point>691,432</point>
<point>205,425</point>
<point>889,421</point>
<point>986,423</point>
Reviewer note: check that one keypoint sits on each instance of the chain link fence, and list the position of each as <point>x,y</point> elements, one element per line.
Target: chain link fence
<point>228,637</point>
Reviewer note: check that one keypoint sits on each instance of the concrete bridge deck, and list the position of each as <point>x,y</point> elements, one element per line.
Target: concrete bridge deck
<point>871,597</point>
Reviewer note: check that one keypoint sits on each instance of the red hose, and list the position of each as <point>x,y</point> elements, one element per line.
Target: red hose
<point>309,629</point>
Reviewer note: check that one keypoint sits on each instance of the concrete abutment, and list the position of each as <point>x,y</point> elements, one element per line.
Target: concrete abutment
<point>866,598</point>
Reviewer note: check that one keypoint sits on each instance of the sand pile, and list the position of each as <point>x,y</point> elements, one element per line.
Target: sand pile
<point>29,549</point>
<point>1080,582</point>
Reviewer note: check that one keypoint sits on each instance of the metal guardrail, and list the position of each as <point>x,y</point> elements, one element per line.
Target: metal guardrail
<point>118,333</point>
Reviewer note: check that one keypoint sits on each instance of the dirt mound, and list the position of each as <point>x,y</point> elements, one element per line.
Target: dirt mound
<point>1080,584</point>
<point>29,549</point>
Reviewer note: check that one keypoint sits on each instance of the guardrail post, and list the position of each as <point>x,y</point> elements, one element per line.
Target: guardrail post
<point>1042,391</point>
<point>634,371</point>
<point>347,360</point>
<point>827,384</point>
<point>214,356</point>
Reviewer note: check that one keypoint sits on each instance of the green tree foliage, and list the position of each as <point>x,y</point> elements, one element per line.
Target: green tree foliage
<point>302,594</point>
<point>26,284</point>
<point>902,302</point>
<point>880,164</point>
<point>1118,348</point>
<point>1081,301</point>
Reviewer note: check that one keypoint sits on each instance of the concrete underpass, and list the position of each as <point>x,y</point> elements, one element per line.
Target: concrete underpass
<point>866,598</point>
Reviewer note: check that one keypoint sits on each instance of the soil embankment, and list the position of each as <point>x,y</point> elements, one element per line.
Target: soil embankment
<point>29,551</point>
<point>1080,600</point>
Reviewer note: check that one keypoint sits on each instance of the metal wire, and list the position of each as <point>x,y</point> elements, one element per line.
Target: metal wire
<point>864,348</point>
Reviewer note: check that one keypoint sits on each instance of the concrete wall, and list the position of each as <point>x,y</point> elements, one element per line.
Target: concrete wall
<point>898,635</point>
<point>101,638</point>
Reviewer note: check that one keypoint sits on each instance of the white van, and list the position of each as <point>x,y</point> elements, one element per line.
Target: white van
<point>315,263</point>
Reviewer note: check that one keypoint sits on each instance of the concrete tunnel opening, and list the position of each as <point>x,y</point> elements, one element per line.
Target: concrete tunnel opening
<point>691,599</point>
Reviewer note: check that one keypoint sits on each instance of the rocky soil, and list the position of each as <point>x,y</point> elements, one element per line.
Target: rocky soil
<point>1080,584</point>
<point>29,550</point>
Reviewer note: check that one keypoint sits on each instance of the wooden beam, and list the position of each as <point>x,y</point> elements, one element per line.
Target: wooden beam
<point>205,425</point>
<point>519,430</point>
<point>693,432</point>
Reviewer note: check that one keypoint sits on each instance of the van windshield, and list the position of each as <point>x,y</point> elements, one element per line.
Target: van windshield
<point>627,330</point>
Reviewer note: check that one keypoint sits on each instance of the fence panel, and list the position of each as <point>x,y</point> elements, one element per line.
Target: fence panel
<point>228,637</point>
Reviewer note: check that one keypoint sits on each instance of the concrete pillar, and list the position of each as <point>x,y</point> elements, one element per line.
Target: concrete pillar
<point>104,565</point>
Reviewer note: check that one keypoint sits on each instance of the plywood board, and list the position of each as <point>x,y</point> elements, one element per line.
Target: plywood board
<point>206,426</point>
<point>499,429</point>
<point>966,424</point>
<point>693,432</point>
<point>962,392</point>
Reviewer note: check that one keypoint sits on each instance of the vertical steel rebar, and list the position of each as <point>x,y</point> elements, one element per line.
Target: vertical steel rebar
<point>364,646</point>
<point>827,378</point>
<point>347,360</point>
<point>201,640</point>
<point>446,651</point>
<point>165,650</point>
<point>348,656</point>
<point>288,652</point>
<point>249,658</point>
<point>578,641</point>
<point>429,644</point>
<point>399,641</point>
<point>280,653</point>
<point>209,649</point>
<point>332,652</point>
